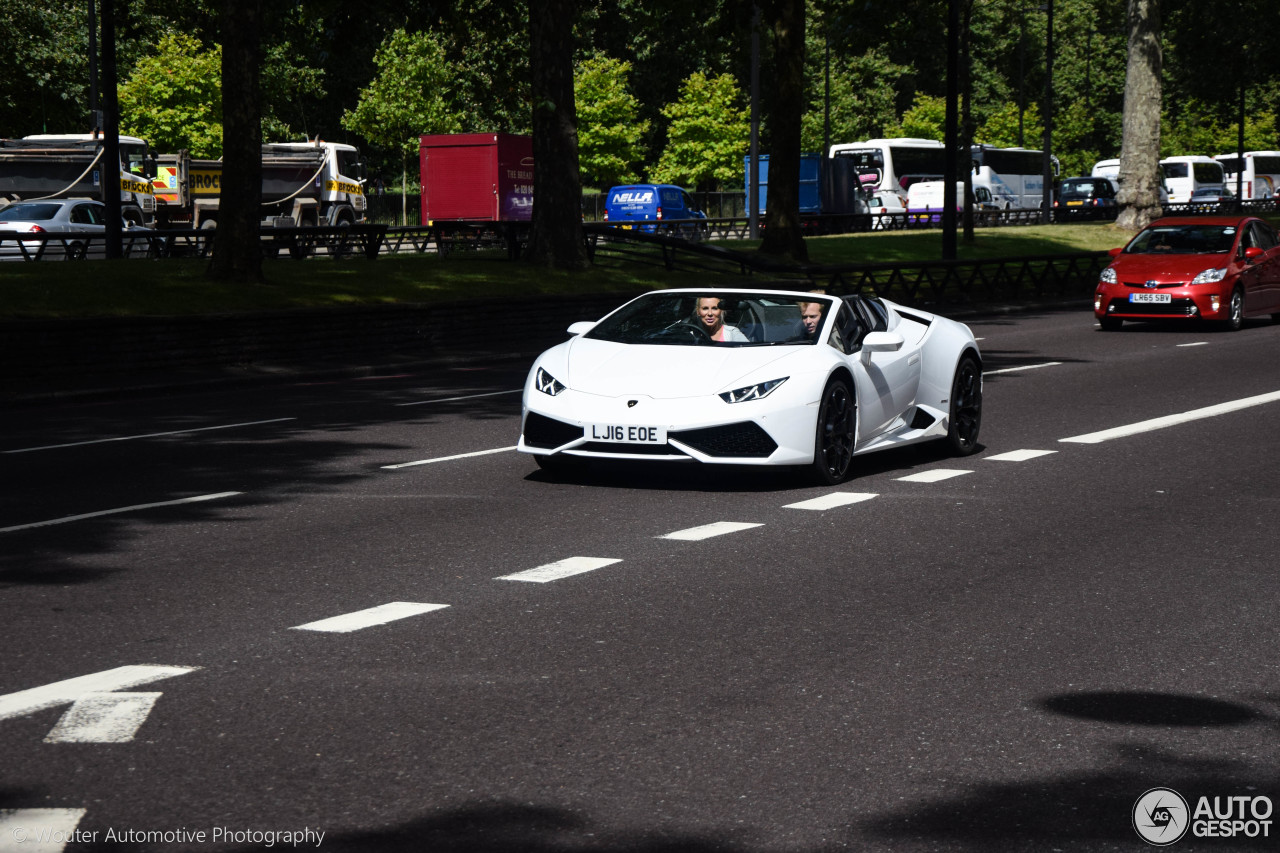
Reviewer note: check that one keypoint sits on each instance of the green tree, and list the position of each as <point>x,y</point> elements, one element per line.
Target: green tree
<point>863,91</point>
<point>925,120</point>
<point>708,135</point>
<point>173,98</point>
<point>42,50</point>
<point>1001,127</point>
<point>407,98</point>
<point>609,130</point>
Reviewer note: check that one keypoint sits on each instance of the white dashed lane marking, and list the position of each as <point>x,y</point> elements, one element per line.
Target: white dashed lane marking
<point>561,569</point>
<point>832,501</point>
<point>37,830</point>
<point>935,476</point>
<point>103,718</point>
<point>1023,367</point>
<point>450,458</point>
<point>380,615</point>
<point>1173,420</point>
<point>118,510</point>
<point>1020,455</point>
<point>148,435</point>
<point>64,692</point>
<point>707,531</point>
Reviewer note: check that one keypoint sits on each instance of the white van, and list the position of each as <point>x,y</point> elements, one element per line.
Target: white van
<point>925,200</point>
<point>1186,174</point>
<point>1111,169</point>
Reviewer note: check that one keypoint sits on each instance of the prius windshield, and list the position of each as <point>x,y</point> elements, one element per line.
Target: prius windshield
<point>715,319</point>
<point>1184,240</point>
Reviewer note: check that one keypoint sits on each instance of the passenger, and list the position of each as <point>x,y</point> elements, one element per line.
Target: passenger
<point>810,319</point>
<point>710,314</point>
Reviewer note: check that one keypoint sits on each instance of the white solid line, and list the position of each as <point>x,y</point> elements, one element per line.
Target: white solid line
<point>560,569</point>
<point>934,476</point>
<point>1173,420</point>
<point>136,507</point>
<point>1023,367</point>
<point>455,399</point>
<point>148,435</point>
<point>1196,344</point>
<point>706,531</point>
<point>62,692</point>
<point>833,500</point>
<point>449,458</point>
<point>1020,455</point>
<point>37,830</point>
<point>103,718</point>
<point>380,615</point>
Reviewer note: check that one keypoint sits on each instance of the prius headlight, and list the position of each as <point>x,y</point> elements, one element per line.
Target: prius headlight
<point>1109,275</point>
<point>1210,276</point>
<point>752,392</point>
<point>546,383</point>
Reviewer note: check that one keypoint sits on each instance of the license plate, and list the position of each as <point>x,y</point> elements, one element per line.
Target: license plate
<point>1074,203</point>
<point>1158,298</point>
<point>627,434</point>
<point>625,227</point>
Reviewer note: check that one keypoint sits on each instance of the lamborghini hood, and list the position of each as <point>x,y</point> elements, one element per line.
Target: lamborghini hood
<point>665,372</point>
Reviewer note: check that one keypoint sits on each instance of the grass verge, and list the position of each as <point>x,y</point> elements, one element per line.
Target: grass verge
<point>179,286</point>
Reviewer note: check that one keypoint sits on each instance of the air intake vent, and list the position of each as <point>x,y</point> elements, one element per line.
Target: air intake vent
<point>744,440</point>
<point>542,431</point>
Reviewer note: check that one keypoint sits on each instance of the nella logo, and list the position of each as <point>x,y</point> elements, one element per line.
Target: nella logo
<point>1160,816</point>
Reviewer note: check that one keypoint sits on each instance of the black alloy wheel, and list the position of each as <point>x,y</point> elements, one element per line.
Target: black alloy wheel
<point>837,427</point>
<point>966,408</point>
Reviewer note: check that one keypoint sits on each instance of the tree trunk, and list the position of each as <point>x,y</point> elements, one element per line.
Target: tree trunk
<point>237,254</point>
<point>555,239</point>
<point>782,234</point>
<point>1139,196</point>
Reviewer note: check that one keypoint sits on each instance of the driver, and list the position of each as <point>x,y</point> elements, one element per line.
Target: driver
<point>710,316</point>
<point>810,319</point>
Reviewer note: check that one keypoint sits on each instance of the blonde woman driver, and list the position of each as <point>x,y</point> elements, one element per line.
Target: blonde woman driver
<point>710,317</point>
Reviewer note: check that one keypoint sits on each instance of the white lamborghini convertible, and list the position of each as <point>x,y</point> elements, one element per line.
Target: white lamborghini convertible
<point>753,377</point>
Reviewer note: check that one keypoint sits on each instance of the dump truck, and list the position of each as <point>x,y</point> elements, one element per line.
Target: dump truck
<point>70,166</point>
<point>303,184</point>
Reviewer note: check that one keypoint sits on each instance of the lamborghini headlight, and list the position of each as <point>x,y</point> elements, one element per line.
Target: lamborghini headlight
<point>752,392</point>
<point>1109,275</point>
<point>547,384</point>
<point>1210,276</point>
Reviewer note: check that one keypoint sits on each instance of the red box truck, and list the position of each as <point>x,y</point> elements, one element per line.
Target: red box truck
<point>476,176</point>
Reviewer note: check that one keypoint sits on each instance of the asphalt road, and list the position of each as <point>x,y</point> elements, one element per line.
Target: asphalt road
<point>1002,655</point>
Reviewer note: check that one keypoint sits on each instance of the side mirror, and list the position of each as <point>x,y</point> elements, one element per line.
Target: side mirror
<point>581,327</point>
<point>1115,253</point>
<point>882,342</point>
<point>1253,253</point>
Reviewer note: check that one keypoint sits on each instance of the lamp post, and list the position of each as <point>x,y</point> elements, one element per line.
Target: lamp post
<point>1046,210</point>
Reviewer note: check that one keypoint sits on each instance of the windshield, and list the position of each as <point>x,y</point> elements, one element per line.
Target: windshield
<point>29,211</point>
<point>715,319</point>
<point>1184,240</point>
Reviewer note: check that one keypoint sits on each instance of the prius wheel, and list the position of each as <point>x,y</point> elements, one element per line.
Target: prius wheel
<point>1235,312</point>
<point>837,424</point>
<point>966,408</point>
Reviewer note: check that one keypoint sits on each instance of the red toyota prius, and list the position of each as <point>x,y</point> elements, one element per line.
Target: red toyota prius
<point>1193,267</point>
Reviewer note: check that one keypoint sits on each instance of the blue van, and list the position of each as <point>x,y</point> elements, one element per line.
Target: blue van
<point>653,204</point>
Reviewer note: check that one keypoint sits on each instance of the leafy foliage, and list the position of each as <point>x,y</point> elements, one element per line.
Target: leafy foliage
<point>609,129</point>
<point>707,136</point>
<point>173,98</point>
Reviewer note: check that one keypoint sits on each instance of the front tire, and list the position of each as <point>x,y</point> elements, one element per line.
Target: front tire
<point>834,440</point>
<point>1235,312</point>
<point>965,419</point>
